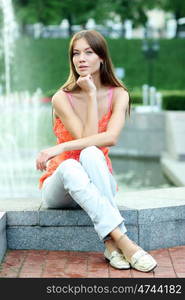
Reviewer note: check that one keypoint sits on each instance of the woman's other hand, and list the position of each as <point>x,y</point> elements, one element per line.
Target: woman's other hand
<point>46,154</point>
<point>42,158</point>
<point>86,83</point>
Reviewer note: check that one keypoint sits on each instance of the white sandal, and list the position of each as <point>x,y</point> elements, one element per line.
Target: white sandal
<point>116,259</point>
<point>142,261</point>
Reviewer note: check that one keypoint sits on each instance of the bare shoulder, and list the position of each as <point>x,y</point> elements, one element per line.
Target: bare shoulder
<point>61,104</point>
<point>58,96</point>
<point>120,91</point>
<point>120,96</point>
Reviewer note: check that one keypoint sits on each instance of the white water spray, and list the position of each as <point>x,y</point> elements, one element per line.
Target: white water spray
<point>9,34</point>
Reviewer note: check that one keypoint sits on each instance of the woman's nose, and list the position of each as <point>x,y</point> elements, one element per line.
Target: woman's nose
<point>81,57</point>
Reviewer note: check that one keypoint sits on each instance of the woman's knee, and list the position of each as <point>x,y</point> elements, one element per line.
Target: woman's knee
<point>50,202</point>
<point>68,162</point>
<point>90,153</point>
<point>68,165</point>
<point>72,174</point>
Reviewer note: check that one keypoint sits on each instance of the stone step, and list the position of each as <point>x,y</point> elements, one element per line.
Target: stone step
<point>175,132</point>
<point>3,242</point>
<point>173,169</point>
<point>154,219</point>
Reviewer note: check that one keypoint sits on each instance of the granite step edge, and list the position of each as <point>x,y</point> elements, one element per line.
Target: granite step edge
<point>3,238</point>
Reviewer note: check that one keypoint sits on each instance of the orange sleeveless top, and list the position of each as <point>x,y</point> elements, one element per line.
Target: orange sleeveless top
<point>64,136</point>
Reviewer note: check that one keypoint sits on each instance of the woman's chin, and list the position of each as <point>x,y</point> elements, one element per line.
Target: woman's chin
<point>84,71</point>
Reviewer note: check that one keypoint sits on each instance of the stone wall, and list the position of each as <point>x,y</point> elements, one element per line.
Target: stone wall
<point>142,136</point>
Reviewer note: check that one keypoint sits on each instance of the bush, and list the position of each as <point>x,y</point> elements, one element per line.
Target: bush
<point>172,100</point>
<point>44,63</point>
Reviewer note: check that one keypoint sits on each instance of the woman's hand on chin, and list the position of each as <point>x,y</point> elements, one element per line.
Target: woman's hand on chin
<point>86,83</point>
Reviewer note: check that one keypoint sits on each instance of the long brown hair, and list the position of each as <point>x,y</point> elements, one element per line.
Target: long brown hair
<point>99,45</point>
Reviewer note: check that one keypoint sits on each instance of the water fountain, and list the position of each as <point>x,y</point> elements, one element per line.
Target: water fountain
<point>9,33</point>
<point>19,142</point>
<point>19,122</point>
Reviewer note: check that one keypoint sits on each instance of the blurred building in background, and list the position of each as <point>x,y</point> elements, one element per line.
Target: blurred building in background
<point>160,24</point>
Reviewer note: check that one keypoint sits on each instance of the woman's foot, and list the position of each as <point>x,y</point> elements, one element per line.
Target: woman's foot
<point>128,247</point>
<point>135,255</point>
<point>115,256</point>
<point>111,245</point>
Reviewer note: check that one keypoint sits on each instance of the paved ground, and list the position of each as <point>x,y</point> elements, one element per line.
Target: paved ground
<point>68,264</point>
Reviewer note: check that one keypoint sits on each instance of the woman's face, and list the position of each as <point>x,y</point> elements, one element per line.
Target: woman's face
<point>85,60</point>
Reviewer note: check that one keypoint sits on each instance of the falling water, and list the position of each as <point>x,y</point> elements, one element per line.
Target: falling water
<point>20,118</point>
<point>9,34</point>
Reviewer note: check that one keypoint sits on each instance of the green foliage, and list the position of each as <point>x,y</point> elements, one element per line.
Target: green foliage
<point>78,12</point>
<point>177,6</point>
<point>134,10</point>
<point>34,11</point>
<point>53,12</point>
<point>44,63</point>
<point>172,100</point>
<point>40,63</point>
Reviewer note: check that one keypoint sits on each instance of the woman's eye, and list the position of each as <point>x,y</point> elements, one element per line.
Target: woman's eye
<point>87,52</point>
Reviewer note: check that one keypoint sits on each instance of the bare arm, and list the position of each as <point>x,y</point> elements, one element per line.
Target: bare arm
<point>65,112</point>
<point>100,140</point>
<point>111,135</point>
<point>108,138</point>
<point>91,124</point>
<point>68,116</point>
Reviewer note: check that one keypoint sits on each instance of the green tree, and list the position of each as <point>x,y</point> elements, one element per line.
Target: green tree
<point>53,11</point>
<point>177,7</point>
<point>135,10</point>
<point>77,12</point>
<point>34,11</point>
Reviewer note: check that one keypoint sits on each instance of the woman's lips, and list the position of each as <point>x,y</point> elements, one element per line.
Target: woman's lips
<point>83,67</point>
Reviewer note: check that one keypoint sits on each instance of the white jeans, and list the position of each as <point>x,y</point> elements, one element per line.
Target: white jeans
<point>88,184</point>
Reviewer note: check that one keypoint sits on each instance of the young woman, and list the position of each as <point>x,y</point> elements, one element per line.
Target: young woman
<point>89,113</point>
